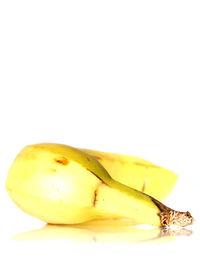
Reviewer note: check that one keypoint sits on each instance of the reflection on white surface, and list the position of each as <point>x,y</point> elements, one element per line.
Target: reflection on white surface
<point>111,231</point>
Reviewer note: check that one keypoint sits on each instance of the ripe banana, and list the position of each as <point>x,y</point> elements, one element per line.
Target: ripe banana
<point>63,185</point>
<point>137,173</point>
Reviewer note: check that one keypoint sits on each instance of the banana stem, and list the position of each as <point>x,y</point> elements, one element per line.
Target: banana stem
<point>169,217</point>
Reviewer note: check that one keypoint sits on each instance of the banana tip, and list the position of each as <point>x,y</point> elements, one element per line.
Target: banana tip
<point>178,218</point>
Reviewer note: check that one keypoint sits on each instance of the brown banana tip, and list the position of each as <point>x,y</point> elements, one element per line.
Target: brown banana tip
<point>178,218</point>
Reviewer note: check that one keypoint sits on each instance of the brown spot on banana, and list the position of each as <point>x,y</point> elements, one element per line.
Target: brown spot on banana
<point>95,198</point>
<point>143,187</point>
<point>62,161</point>
<point>96,190</point>
<point>145,165</point>
<point>96,194</point>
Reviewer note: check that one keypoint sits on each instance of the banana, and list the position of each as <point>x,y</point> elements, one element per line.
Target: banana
<point>137,173</point>
<point>60,184</point>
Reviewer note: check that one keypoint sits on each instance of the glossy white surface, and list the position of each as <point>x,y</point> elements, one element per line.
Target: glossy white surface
<point>118,76</point>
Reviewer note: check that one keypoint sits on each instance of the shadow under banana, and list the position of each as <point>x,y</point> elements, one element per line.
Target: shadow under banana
<point>100,231</point>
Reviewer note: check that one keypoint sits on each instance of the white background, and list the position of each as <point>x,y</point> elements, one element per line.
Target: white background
<point>120,76</point>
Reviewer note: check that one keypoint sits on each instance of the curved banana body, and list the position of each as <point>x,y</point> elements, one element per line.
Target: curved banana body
<point>63,185</point>
<point>137,173</point>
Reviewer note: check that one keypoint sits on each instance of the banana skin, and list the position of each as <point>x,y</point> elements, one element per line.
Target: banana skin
<point>60,184</point>
<point>137,173</point>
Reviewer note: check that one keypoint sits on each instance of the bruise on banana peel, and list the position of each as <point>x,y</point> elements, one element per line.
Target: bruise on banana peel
<point>62,161</point>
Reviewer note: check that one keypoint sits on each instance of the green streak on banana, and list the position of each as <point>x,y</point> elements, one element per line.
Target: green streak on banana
<point>137,173</point>
<point>63,185</point>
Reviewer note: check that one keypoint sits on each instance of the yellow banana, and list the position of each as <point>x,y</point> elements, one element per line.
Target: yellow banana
<point>63,185</point>
<point>137,173</point>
